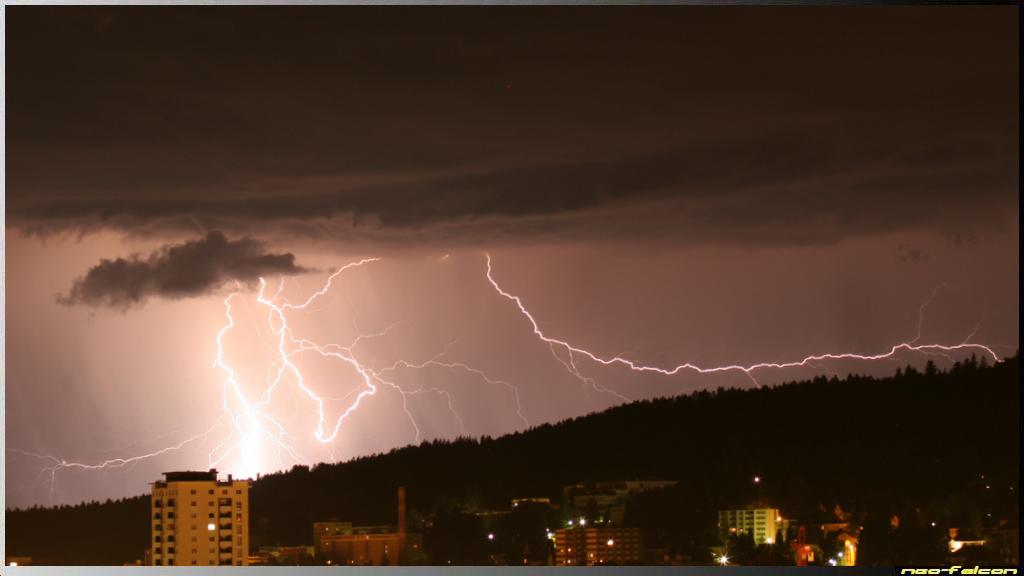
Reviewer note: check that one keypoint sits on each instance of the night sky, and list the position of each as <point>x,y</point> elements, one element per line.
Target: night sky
<point>674,184</point>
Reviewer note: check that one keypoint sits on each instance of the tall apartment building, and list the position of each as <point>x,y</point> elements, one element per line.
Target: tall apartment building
<point>199,521</point>
<point>761,523</point>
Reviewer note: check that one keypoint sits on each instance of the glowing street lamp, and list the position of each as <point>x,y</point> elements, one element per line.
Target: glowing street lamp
<point>723,560</point>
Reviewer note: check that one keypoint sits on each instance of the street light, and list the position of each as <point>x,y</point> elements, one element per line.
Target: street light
<point>723,559</point>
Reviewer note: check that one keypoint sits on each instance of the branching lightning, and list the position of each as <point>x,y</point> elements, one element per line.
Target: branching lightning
<point>247,421</point>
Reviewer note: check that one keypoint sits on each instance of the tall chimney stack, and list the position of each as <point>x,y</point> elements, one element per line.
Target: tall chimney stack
<point>401,523</point>
<point>401,511</point>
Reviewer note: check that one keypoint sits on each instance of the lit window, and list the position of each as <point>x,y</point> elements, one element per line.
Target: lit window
<point>211,527</point>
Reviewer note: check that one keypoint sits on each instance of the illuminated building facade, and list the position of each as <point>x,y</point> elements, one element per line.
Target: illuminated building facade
<point>516,502</point>
<point>364,546</point>
<point>341,543</point>
<point>199,521</point>
<point>598,545</point>
<point>761,523</point>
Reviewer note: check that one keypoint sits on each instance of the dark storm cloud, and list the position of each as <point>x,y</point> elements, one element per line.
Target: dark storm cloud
<point>417,125</point>
<point>178,271</point>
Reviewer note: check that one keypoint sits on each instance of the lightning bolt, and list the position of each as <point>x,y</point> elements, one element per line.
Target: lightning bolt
<point>573,351</point>
<point>920,312</point>
<point>247,419</point>
<point>110,463</point>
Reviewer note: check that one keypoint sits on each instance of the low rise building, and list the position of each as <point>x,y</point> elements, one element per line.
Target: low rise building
<point>516,502</point>
<point>341,543</point>
<point>607,500</point>
<point>364,546</point>
<point>283,556</point>
<point>331,528</point>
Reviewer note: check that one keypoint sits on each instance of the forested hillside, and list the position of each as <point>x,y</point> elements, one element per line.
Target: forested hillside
<point>914,441</point>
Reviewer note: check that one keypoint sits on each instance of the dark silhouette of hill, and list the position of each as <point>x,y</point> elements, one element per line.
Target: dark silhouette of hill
<point>876,446</point>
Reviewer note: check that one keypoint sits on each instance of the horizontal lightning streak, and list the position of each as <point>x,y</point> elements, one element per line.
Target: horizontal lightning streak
<point>748,369</point>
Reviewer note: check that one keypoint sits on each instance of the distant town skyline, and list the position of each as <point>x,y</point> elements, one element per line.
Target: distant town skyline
<point>249,238</point>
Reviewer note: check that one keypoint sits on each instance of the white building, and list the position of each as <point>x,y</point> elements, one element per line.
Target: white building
<point>761,523</point>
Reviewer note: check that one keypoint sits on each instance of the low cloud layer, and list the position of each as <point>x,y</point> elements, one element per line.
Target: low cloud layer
<point>178,271</point>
